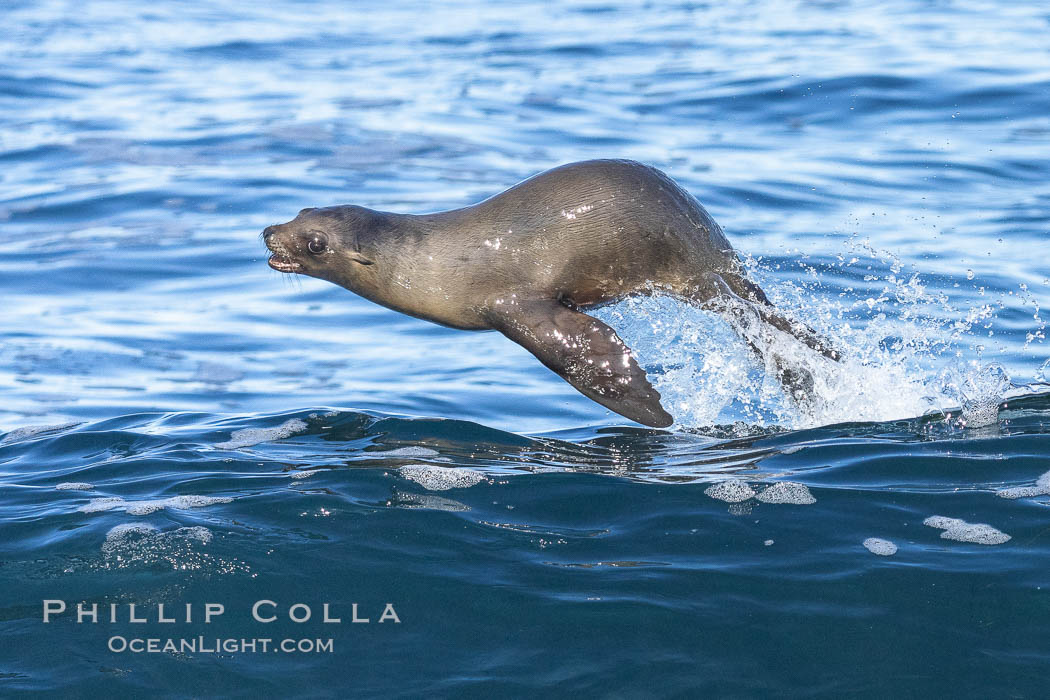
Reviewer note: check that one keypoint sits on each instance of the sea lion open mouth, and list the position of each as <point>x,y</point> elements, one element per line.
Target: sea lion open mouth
<point>282,263</point>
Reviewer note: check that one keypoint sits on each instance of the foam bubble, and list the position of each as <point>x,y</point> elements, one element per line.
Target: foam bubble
<point>1020,492</point>
<point>97,505</point>
<point>941,522</point>
<point>246,437</point>
<point>962,531</point>
<point>146,507</point>
<point>977,533</point>
<point>743,508</point>
<point>31,431</point>
<point>74,486</point>
<point>790,492</point>
<point>121,535</point>
<point>440,478</point>
<point>410,451</point>
<point>876,545</point>
<point>122,531</point>
<point>730,491</point>
<point>1041,488</point>
<point>133,544</point>
<point>424,501</point>
<point>197,532</point>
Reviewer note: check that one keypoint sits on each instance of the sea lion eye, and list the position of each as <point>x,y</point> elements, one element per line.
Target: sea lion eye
<point>317,245</point>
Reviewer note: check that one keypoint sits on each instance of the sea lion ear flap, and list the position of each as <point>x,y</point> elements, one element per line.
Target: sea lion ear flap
<point>356,255</point>
<point>586,353</point>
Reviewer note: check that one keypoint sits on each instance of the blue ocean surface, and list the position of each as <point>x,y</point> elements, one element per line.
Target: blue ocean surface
<point>181,426</point>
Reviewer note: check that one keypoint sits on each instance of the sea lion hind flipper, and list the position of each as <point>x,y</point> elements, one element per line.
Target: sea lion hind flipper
<point>801,332</point>
<point>745,297</point>
<point>586,353</point>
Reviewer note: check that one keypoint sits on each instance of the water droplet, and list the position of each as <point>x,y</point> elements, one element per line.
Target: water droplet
<point>969,274</point>
<point>1044,372</point>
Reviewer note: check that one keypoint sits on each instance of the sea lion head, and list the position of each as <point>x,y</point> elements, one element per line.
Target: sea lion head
<point>325,243</point>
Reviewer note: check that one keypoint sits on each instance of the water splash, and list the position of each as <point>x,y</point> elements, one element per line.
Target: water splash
<point>978,394</point>
<point>906,350</point>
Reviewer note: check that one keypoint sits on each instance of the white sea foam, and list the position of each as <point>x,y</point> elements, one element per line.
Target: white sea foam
<point>876,545</point>
<point>1021,492</point>
<point>425,501</point>
<point>942,523</point>
<point>790,492</point>
<point>74,486</point>
<point>1042,487</point>
<point>410,451</point>
<point>133,544</point>
<point>962,531</point>
<point>30,431</point>
<point>121,535</point>
<point>246,437</point>
<point>441,478</point>
<point>97,505</point>
<point>730,491</point>
<point>151,506</point>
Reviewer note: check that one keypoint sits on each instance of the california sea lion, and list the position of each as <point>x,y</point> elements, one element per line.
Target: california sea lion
<point>527,261</point>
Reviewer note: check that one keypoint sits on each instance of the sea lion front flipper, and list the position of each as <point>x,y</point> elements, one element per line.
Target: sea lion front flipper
<point>584,352</point>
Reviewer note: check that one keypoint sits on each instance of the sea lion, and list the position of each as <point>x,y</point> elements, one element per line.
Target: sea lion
<point>527,261</point>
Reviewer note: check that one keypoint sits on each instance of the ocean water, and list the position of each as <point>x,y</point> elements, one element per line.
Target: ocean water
<point>182,426</point>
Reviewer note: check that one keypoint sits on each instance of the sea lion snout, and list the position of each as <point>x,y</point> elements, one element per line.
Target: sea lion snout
<point>321,242</point>
<point>283,256</point>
